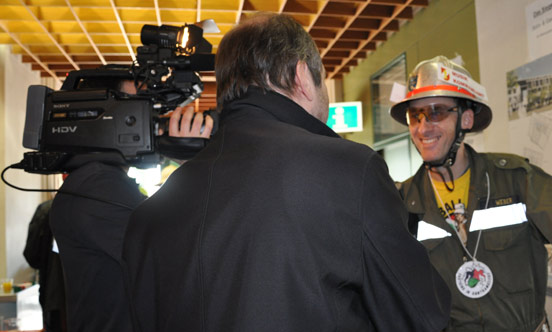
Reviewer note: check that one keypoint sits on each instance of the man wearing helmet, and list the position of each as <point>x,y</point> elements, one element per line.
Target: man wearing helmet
<point>483,217</point>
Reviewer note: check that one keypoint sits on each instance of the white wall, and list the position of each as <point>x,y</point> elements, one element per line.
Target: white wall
<point>19,205</point>
<point>503,46</point>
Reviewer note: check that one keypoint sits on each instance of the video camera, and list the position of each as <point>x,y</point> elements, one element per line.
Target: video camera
<point>91,118</point>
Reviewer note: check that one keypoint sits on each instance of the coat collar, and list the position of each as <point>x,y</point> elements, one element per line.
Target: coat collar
<point>279,106</point>
<point>420,198</point>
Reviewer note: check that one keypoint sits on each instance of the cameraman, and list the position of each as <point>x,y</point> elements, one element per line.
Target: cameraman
<point>89,232</point>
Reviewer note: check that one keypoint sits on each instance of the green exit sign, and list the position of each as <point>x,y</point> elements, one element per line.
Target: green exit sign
<point>345,117</point>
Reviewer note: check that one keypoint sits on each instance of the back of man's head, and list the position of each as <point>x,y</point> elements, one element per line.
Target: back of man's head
<point>263,51</point>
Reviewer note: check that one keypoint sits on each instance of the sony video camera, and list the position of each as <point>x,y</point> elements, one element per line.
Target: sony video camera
<point>92,117</point>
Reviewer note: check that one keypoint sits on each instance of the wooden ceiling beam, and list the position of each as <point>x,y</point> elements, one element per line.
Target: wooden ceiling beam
<point>378,35</point>
<point>339,9</point>
<point>65,67</point>
<point>33,56</point>
<point>388,2</point>
<point>365,24</point>
<point>321,44</point>
<point>377,11</point>
<point>345,45</point>
<point>344,70</point>
<point>371,46</point>
<point>391,26</point>
<point>355,35</point>
<point>344,31</point>
<point>102,59</point>
<point>54,41</point>
<point>337,54</point>
<point>300,7</point>
<point>123,31</point>
<point>240,10</point>
<point>420,3</point>
<point>330,22</point>
<point>198,11</point>
<point>157,12</point>
<point>360,55</point>
<point>320,10</point>
<point>406,14</point>
<point>282,6</point>
<point>78,58</point>
<point>327,61</point>
<point>318,33</point>
<point>348,23</point>
<point>352,63</point>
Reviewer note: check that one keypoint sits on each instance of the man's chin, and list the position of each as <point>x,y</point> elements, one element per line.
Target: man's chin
<point>431,159</point>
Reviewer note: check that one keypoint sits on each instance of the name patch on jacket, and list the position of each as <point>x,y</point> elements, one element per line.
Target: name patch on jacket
<point>498,216</point>
<point>428,231</point>
<point>500,201</point>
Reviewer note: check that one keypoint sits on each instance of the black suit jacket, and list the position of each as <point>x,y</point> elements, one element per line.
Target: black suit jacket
<point>279,225</point>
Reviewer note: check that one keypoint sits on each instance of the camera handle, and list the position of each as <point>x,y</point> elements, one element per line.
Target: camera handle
<point>182,148</point>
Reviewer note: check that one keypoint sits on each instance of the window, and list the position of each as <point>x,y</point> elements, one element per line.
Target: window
<point>391,139</point>
<point>381,84</point>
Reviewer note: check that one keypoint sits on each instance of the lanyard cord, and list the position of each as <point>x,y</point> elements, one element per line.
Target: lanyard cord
<point>448,215</point>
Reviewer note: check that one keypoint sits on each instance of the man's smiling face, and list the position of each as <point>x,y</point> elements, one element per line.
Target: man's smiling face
<point>433,137</point>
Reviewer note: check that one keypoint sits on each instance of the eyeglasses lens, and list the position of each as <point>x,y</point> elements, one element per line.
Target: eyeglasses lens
<point>432,113</point>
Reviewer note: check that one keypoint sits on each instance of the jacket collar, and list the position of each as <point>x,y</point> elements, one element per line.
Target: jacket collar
<point>279,106</point>
<point>478,181</point>
<point>420,198</point>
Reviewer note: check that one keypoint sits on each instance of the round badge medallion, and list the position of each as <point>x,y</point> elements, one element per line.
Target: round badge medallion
<point>474,279</point>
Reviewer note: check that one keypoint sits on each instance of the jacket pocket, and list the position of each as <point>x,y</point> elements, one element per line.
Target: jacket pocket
<point>508,255</point>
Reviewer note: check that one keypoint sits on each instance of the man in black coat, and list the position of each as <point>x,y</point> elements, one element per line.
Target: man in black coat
<point>89,217</point>
<point>278,224</point>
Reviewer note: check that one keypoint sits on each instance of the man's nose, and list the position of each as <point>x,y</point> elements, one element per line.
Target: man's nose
<point>423,122</point>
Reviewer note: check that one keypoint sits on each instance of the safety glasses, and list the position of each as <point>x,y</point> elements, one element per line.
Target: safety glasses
<point>433,113</point>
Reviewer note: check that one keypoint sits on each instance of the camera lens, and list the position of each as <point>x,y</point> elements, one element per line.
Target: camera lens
<point>165,36</point>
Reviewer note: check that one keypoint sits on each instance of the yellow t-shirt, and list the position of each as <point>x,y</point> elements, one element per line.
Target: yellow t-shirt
<point>455,202</point>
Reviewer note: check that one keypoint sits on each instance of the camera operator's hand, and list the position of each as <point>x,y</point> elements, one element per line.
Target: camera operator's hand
<point>187,123</point>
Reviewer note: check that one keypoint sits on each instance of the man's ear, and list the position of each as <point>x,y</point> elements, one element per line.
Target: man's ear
<point>304,84</point>
<point>467,119</point>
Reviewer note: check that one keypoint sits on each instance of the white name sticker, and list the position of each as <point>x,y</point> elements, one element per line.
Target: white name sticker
<point>398,93</point>
<point>499,216</point>
<point>461,80</point>
<point>428,231</point>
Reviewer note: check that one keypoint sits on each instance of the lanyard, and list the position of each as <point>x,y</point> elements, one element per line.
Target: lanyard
<point>449,218</point>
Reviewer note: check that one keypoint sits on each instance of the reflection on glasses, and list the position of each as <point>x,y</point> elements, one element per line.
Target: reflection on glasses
<point>432,113</point>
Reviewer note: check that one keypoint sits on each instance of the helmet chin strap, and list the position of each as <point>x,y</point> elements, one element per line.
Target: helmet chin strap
<point>450,157</point>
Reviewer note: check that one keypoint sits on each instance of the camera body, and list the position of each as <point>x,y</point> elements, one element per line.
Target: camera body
<point>92,118</point>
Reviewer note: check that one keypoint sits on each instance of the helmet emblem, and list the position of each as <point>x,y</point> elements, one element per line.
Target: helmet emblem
<point>446,76</point>
<point>412,82</point>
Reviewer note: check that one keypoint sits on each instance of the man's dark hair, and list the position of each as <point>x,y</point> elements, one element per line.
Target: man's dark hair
<point>263,51</point>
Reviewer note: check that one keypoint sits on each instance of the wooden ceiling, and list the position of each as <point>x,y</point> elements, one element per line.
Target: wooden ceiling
<point>57,36</point>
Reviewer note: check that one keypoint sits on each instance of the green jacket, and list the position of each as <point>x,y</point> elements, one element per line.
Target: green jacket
<point>515,253</point>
